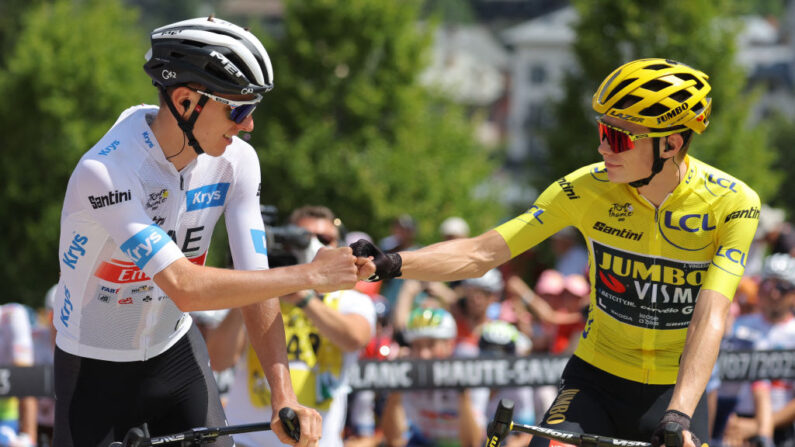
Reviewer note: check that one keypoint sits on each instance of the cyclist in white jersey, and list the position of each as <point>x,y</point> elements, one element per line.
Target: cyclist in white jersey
<point>138,216</point>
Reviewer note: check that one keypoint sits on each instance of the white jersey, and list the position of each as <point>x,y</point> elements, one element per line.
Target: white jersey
<point>127,215</point>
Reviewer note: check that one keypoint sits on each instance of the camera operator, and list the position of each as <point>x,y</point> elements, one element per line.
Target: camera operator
<point>324,334</point>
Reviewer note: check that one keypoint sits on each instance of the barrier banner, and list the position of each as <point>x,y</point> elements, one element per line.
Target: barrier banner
<point>491,372</point>
<point>26,381</point>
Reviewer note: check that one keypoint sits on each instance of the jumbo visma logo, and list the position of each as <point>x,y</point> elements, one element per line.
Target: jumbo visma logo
<point>646,291</point>
<point>207,196</point>
<point>688,232</point>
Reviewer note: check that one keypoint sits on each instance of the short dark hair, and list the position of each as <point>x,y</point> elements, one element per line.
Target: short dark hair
<point>313,211</point>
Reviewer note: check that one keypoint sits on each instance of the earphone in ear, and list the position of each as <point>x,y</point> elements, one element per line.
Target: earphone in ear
<point>669,147</point>
<point>186,104</point>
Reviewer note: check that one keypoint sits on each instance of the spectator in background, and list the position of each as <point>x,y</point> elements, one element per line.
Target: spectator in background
<point>431,417</point>
<point>324,335</point>
<point>454,228</point>
<point>479,304</point>
<point>404,230</point>
<point>767,239</point>
<point>497,339</point>
<point>765,410</point>
<point>209,321</point>
<point>43,351</point>
<point>17,415</point>
<point>567,295</point>
<point>367,406</point>
<point>571,257</point>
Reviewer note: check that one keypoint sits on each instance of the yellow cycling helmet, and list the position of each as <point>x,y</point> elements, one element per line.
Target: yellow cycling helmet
<point>656,93</point>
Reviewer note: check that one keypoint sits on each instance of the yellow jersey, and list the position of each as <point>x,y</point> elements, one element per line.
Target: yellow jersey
<point>647,264</point>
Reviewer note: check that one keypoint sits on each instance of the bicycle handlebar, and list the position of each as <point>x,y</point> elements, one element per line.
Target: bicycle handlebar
<point>502,424</point>
<point>139,436</point>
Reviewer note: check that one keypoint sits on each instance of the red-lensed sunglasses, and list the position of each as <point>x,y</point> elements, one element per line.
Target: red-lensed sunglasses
<point>621,140</point>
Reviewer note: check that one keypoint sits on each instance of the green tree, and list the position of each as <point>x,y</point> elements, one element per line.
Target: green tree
<point>348,126</point>
<point>700,33</point>
<point>74,67</point>
<point>782,136</point>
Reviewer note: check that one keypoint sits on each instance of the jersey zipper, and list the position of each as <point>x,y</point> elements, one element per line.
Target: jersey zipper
<point>649,341</point>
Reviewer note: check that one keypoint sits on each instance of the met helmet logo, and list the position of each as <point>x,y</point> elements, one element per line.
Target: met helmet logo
<point>207,196</point>
<point>228,65</point>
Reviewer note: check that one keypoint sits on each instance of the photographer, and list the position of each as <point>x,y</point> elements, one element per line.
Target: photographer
<point>324,334</point>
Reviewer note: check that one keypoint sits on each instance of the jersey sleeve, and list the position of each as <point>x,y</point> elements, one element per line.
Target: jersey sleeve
<point>111,199</point>
<point>355,303</point>
<point>242,215</point>
<point>734,236</point>
<point>544,218</point>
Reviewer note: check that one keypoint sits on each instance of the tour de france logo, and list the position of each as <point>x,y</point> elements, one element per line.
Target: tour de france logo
<point>621,211</point>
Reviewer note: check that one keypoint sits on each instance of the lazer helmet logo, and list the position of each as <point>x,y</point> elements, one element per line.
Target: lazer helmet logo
<point>168,74</point>
<point>246,91</point>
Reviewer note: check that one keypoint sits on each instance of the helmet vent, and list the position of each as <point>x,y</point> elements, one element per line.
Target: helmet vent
<point>657,67</point>
<point>681,95</point>
<point>619,87</point>
<point>628,101</point>
<point>654,110</point>
<point>656,85</point>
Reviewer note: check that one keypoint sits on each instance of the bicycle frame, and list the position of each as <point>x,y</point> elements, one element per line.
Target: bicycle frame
<point>502,425</point>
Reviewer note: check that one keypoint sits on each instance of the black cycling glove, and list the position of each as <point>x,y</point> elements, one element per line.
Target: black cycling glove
<point>670,430</point>
<point>387,265</point>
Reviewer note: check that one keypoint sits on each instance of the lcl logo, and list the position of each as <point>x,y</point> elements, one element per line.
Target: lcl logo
<point>168,74</point>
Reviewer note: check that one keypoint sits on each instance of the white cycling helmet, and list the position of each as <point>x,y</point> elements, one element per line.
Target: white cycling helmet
<point>491,282</point>
<point>217,54</point>
<point>430,323</point>
<point>779,266</point>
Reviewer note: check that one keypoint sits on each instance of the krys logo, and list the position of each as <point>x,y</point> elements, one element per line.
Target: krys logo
<point>110,148</point>
<point>689,232</point>
<point>645,291</point>
<point>75,251</point>
<point>145,244</point>
<point>207,196</point>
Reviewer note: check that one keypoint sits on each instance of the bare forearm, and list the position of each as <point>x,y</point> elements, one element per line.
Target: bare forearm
<point>456,259</point>
<point>764,411</point>
<point>701,350</point>
<point>784,416</point>
<point>266,332</point>
<point>225,343</point>
<point>28,406</point>
<point>394,420</point>
<point>195,287</point>
<point>347,331</point>
<point>470,431</point>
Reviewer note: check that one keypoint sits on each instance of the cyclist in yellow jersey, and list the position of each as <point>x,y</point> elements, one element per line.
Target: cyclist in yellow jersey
<point>668,238</point>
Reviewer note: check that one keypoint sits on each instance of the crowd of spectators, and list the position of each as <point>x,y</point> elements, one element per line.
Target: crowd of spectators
<point>505,312</point>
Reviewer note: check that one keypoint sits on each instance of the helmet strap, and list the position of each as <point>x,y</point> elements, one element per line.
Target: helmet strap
<point>186,125</point>
<point>656,166</point>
